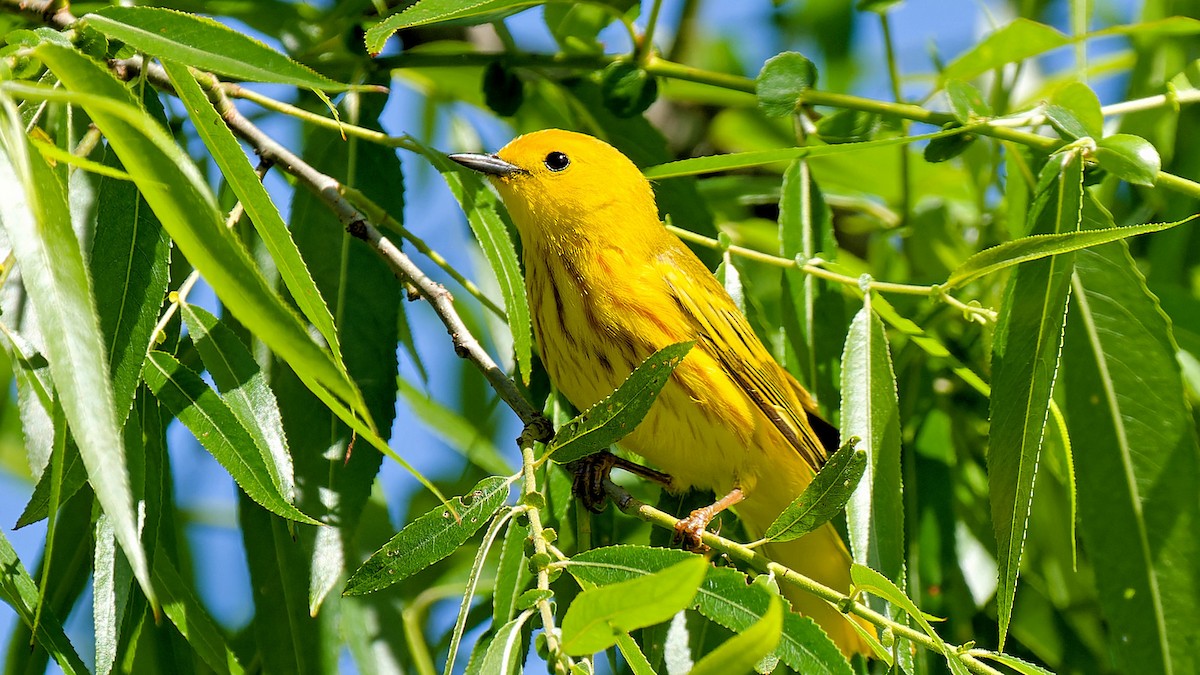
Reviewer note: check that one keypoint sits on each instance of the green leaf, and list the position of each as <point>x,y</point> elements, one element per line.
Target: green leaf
<point>824,497</point>
<point>503,652</point>
<point>619,413</point>
<point>427,12</point>
<point>33,209</point>
<point>634,657</point>
<point>740,653</point>
<point>129,264</point>
<point>1169,26</point>
<point>458,431</point>
<point>204,43</point>
<point>947,148</point>
<point>21,593</point>
<point>1017,41</point>
<point>248,187</point>
<point>966,101</point>
<point>782,82</point>
<point>627,89</point>
<point>468,596</point>
<point>1025,354</point>
<point>220,432</point>
<point>179,195</point>
<point>726,597</point>
<point>1038,246</point>
<point>848,126</point>
<point>871,411</point>
<point>54,154</point>
<point>1138,469</point>
<point>1074,110</point>
<point>599,615</point>
<point>489,223</point>
<point>244,389</point>
<point>813,310</point>
<point>1022,667</point>
<point>1130,158</point>
<point>429,538</point>
<point>110,595</point>
<point>184,610</point>
<point>746,160</point>
<point>512,575</point>
<point>866,579</point>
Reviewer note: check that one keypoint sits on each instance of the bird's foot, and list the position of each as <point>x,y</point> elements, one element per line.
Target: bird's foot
<point>591,472</point>
<point>689,532</point>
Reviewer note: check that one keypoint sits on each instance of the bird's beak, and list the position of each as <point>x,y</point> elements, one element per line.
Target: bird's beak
<point>487,164</point>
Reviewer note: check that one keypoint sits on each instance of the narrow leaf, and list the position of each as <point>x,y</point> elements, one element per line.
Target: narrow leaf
<point>1022,667</point>
<point>33,209</point>
<point>619,413</point>
<point>204,43</point>
<point>426,12</point>
<point>504,650</point>
<point>824,497</point>
<point>1038,246</point>
<point>1019,40</point>
<point>130,266</point>
<point>244,389</point>
<point>110,594</point>
<point>20,592</point>
<point>245,183</point>
<point>1138,468</point>
<point>871,411</point>
<point>512,575</point>
<point>598,615</point>
<point>219,430</point>
<point>429,538</point>
<point>184,610</point>
<point>1025,354</point>
<point>740,653</point>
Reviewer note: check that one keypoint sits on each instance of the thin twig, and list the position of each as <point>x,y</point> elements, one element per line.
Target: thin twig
<point>530,495</point>
<point>814,268</point>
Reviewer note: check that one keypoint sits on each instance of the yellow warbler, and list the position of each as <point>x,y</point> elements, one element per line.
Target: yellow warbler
<point>608,285</point>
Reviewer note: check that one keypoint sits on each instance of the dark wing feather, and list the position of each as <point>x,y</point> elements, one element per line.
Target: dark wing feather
<point>726,335</point>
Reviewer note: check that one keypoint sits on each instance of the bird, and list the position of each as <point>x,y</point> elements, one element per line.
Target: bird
<point>608,285</point>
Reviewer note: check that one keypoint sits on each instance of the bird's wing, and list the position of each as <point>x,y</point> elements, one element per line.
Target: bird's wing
<point>725,334</point>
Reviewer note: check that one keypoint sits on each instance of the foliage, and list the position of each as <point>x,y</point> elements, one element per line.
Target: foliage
<point>986,276</point>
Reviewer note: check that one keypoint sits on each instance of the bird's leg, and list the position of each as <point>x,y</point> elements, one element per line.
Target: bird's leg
<point>591,472</point>
<point>689,530</point>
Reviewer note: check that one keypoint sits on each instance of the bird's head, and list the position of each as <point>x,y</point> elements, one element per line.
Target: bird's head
<point>560,186</point>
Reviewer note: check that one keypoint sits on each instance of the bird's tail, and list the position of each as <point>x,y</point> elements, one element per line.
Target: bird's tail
<point>820,556</point>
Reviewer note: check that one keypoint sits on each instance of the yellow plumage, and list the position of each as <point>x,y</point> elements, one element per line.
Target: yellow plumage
<point>608,285</point>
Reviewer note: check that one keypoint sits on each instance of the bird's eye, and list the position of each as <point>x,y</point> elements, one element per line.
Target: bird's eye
<point>557,161</point>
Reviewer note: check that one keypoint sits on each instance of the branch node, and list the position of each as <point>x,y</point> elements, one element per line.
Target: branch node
<point>357,228</point>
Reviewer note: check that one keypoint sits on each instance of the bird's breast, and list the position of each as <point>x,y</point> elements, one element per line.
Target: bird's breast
<point>595,321</point>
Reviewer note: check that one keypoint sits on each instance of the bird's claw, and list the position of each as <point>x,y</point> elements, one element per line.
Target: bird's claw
<point>689,532</point>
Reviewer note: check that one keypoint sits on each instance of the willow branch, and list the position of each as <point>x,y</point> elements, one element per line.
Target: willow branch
<point>814,268</point>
